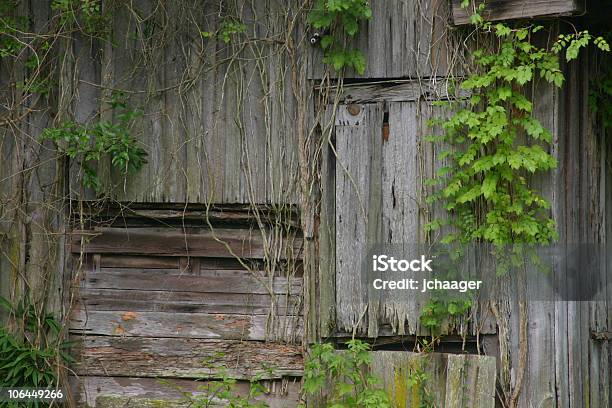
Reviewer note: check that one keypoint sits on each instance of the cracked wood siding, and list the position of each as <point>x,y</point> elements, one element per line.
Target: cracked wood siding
<point>174,303</point>
<point>403,39</point>
<point>217,118</point>
<point>517,9</point>
<point>103,392</point>
<point>358,205</point>
<point>380,199</point>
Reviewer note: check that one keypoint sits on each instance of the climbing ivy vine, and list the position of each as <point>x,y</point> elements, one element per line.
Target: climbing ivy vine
<point>495,145</point>
<point>89,144</point>
<point>339,21</point>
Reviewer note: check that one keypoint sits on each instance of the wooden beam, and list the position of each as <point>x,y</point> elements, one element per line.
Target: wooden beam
<point>219,243</point>
<point>125,392</point>
<point>186,358</point>
<point>516,9</point>
<point>191,325</point>
<point>397,91</point>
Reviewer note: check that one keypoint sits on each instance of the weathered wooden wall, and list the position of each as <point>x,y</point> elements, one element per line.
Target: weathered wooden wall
<point>373,192</point>
<point>218,118</point>
<point>188,303</point>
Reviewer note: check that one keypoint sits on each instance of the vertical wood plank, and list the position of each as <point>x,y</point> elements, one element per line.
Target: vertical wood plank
<point>358,205</point>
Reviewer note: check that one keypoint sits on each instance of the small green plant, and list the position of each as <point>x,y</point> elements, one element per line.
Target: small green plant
<point>417,383</point>
<point>88,144</point>
<point>31,354</point>
<point>600,91</point>
<point>339,20</point>
<point>572,43</point>
<point>343,376</point>
<point>437,310</point>
<point>10,26</point>
<point>87,14</point>
<point>229,28</point>
<point>223,390</point>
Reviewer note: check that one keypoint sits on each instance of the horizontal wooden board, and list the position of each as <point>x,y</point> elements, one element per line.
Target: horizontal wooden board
<point>185,302</point>
<point>517,9</point>
<point>204,281</point>
<point>192,325</point>
<point>396,91</point>
<point>135,261</point>
<point>126,392</point>
<point>220,243</point>
<point>185,358</point>
<point>155,215</point>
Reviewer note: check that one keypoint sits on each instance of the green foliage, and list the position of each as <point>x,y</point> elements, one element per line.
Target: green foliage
<point>342,375</point>
<point>339,20</point>
<point>10,26</point>
<point>31,354</point>
<point>223,390</point>
<point>228,29</point>
<point>572,43</point>
<point>437,310</point>
<point>495,145</point>
<point>89,144</point>
<point>86,14</point>
<point>417,381</point>
<point>600,91</point>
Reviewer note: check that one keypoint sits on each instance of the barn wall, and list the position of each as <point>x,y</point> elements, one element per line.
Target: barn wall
<point>166,295</point>
<point>372,175</point>
<point>218,118</point>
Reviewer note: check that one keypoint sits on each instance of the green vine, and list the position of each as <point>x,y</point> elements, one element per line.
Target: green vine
<point>339,20</point>
<point>495,145</point>
<point>343,376</point>
<point>89,144</point>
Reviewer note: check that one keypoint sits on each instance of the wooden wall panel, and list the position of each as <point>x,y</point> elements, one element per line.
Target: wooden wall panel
<point>358,205</point>
<point>218,118</point>
<point>107,392</point>
<point>380,199</point>
<point>517,9</point>
<point>175,303</point>
<point>403,39</point>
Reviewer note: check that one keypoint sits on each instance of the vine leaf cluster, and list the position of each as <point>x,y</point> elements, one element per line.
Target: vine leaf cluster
<point>339,20</point>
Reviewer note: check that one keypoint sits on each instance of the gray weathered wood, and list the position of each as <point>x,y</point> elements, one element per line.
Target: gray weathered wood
<point>517,9</point>
<point>224,243</point>
<point>185,358</point>
<point>186,302</point>
<point>397,42</point>
<point>396,91</point>
<point>192,325</point>
<point>125,392</point>
<point>358,204</point>
<point>205,281</point>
